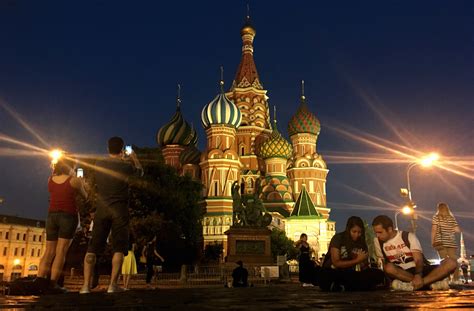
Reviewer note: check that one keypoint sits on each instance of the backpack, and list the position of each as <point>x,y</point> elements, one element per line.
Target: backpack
<point>407,243</point>
<point>28,286</point>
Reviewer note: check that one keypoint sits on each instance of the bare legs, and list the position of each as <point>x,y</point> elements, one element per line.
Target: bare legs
<point>450,252</point>
<point>89,263</point>
<point>53,259</point>
<point>126,280</point>
<point>117,261</point>
<point>442,271</point>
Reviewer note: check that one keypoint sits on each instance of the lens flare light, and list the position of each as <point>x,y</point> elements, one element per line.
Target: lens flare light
<point>55,155</point>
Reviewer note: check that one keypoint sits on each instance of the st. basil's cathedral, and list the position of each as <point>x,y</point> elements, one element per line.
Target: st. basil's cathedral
<point>243,145</point>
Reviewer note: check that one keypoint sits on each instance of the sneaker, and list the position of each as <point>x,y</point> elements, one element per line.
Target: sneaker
<point>114,289</point>
<point>85,290</point>
<point>402,286</point>
<point>335,287</point>
<point>440,285</point>
<point>307,285</point>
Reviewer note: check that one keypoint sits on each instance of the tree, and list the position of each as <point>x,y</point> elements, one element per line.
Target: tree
<point>213,252</point>
<point>166,205</point>
<point>282,245</point>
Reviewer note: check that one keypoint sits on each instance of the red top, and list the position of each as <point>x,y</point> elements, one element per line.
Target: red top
<point>62,197</point>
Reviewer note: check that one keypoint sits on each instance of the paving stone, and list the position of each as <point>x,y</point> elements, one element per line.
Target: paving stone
<point>272,297</point>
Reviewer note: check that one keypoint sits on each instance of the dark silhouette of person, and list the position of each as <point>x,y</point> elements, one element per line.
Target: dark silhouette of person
<point>240,275</point>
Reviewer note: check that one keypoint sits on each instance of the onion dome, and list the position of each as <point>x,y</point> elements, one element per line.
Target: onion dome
<point>190,155</point>
<point>276,146</point>
<point>221,110</point>
<point>177,131</point>
<point>304,121</point>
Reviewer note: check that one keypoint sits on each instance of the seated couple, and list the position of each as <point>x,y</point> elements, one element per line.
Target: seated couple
<point>346,265</point>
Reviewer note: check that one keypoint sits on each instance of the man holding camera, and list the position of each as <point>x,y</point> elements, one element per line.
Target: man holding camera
<point>112,216</point>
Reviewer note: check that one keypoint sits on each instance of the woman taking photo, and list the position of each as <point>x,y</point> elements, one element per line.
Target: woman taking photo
<point>346,265</point>
<point>62,220</point>
<point>443,238</point>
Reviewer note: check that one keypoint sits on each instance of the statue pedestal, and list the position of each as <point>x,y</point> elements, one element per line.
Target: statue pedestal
<point>251,245</point>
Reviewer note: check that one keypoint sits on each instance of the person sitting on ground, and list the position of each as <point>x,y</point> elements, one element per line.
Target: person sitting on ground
<point>240,275</point>
<point>404,260</point>
<point>346,265</point>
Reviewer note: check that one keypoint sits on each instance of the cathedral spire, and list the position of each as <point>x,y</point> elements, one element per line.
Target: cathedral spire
<point>178,98</point>
<point>221,82</point>
<point>247,75</point>
<point>302,92</point>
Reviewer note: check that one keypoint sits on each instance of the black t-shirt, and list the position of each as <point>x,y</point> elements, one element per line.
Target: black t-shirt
<point>346,246</point>
<point>111,178</point>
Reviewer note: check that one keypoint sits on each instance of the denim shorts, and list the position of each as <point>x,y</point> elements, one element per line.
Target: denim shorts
<point>60,225</point>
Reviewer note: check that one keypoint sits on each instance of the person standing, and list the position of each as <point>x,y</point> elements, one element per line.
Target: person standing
<point>153,258</point>
<point>305,264</point>
<point>346,265</point>
<point>62,220</point>
<point>129,266</point>
<point>112,216</point>
<point>443,235</point>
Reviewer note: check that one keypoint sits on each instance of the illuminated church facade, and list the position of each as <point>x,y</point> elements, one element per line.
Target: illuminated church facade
<point>243,145</point>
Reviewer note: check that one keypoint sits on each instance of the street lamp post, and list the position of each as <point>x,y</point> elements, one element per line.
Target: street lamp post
<point>406,210</point>
<point>427,161</point>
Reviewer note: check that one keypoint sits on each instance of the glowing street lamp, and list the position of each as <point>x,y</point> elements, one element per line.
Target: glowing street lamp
<point>426,161</point>
<point>55,155</point>
<point>406,210</point>
<point>16,262</point>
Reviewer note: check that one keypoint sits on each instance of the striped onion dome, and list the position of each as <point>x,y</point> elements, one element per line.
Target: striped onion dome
<point>177,132</point>
<point>190,155</point>
<point>221,110</point>
<point>304,121</point>
<point>276,146</point>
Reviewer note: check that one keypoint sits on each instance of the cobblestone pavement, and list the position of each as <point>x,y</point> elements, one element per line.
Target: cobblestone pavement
<point>272,297</point>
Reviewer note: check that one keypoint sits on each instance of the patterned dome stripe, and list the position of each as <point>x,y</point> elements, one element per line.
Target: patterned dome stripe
<point>221,110</point>
<point>177,131</point>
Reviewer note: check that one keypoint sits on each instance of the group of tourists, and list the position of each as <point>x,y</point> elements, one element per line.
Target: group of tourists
<point>110,223</point>
<point>345,266</point>
<point>399,257</point>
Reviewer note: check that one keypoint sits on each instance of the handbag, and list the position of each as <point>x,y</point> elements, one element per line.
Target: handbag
<point>142,259</point>
<point>439,243</point>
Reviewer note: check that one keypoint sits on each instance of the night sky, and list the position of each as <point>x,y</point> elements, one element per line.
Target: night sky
<point>396,73</point>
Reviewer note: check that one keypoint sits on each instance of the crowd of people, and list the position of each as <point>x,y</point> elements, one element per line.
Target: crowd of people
<point>110,221</point>
<point>346,266</point>
<point>399,260</point>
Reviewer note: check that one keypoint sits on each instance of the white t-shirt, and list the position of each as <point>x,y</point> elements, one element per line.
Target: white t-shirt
<point>397,252</point>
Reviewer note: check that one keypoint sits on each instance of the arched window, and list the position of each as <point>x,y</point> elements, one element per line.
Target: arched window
<point>242,150</point>
<point>33,268</point>
<point>216,188</point>
<point>2,267</point>
<point>17,267</point>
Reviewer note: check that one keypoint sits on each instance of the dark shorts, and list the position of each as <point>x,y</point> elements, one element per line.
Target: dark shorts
<point>60,225</point>
<point>113,220</point>
<point>426,269</point>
